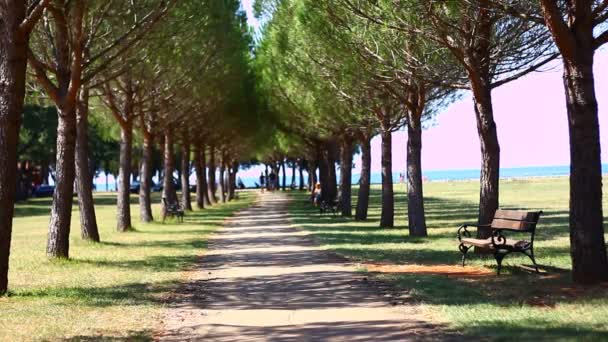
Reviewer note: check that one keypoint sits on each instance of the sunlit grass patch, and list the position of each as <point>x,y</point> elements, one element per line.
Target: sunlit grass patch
<point>114,289</point>
<point>517,305</point>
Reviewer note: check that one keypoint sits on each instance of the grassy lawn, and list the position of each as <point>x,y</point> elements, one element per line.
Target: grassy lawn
<point>115,288</point>
<point>517,304</point>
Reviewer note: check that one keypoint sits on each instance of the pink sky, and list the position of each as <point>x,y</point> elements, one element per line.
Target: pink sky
<point>531,121</point>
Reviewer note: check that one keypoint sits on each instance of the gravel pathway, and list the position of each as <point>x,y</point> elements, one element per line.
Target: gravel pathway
<point>262,279</point>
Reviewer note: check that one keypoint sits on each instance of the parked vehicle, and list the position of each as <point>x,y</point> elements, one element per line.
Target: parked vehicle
<point>135,187</point>
<point>43,191</point>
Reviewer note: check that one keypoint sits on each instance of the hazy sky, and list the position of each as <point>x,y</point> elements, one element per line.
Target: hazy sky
<point>531,120</point>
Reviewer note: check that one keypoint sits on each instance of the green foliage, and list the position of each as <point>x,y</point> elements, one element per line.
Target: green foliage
<point>38,134</point>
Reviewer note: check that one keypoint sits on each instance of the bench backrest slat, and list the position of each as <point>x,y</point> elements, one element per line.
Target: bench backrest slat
<point>515,219</point>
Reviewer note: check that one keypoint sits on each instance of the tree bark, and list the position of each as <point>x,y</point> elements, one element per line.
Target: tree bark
<point>84,177</point>
<point>58,244</point>
<point>301,170</point>
<point>364,181</point>
<point>415,199</point>
<point>123,204</point>
<point>232,181</point>
<point>212,184</point>
<point>266,176</point>
<point>587,243</point>
<point>145,201</point>
<point>346,167</point>
<point>490,155</point>
<point>205,184</point>
<point>388,201</point>
<point>185,176</point>
<point>293,174</point>
<point>222,183</point>
<point>284,173</point>
<point>201,186</point>
<point>13,64</point>
<point>169,195</point>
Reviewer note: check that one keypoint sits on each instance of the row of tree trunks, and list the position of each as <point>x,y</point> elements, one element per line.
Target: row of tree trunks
<point>364,181</point>
<point>84,177</point>
<point>346,166</point>
<point>145,184</point>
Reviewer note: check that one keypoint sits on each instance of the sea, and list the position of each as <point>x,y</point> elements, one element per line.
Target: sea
<point>435,175</point>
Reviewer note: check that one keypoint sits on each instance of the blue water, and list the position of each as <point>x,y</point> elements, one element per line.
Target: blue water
<point>440,175</point>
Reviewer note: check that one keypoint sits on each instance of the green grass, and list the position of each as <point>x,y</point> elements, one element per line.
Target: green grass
<point>518,304</point>
<point>113,289</point>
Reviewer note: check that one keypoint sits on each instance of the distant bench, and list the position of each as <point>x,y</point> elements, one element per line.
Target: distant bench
<point>173,210</point>
<point>504,222</point>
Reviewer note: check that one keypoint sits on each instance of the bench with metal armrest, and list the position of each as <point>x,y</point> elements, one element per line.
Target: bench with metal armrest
<point>173,210</point>
<point>505,223</point>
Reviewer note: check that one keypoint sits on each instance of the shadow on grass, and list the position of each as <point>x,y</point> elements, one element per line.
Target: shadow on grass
<point>519,292</point>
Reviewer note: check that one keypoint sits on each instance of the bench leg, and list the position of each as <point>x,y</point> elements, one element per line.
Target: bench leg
<point>463,249</point>
<point>499,256</point>
<point>531,256</point>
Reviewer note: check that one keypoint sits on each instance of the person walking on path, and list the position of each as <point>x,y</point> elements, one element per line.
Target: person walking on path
<point>262,181</point>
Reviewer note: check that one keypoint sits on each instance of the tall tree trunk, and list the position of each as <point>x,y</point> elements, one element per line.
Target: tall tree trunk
<point>364,181</point>
<point>284,173</point>
<point>232,181</point>
<point>331,164</point>
<point>266,176</point>
<point>415,199</point>
<point>293,174</point>
<point>212,168</point>
<point>185,176</point>
<point>388,200</point>
<point>205,184</point>
<point>490,155</point>
<point>201,187</point>
<point>123,204</point>
<point>301,170</point>
<point>13,63</point>
<point>169,195</point>
<point>346,167</point>
<point>84,178</point>
<point>145,201</point>
<point>587,244</point>
<point>58,244</point>
<point>222,183</point>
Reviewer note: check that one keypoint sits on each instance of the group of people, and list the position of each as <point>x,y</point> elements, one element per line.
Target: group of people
<point>269,182</point>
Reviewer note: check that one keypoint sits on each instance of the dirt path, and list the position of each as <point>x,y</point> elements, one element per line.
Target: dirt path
<point>264,280</point>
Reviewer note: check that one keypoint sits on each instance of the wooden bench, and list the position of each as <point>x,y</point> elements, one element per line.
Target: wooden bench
<point>174,210</point>
<point>504,223</point>
<point>326,207</point>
